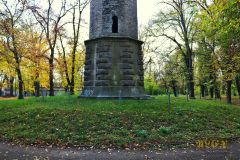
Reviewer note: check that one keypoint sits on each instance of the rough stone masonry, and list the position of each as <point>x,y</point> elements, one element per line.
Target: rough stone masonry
<point>114,58</point>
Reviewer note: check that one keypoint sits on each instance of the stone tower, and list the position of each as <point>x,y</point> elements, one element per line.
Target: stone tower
<point>114,59</point>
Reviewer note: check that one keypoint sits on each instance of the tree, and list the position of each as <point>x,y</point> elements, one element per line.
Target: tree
<point>79,68</point>
<point>77,9</point>
<point>50,22</point>
<point>206,52</point>
<point>10,20</point>
<point>177,25</point>
<point>172,73</point>
<point>34,59</point>
<point>221,21</point>
<point>207,65</point>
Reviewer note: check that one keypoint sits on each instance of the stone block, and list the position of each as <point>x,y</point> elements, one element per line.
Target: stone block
<point>124,66</point>
<point>102,72</point>
<point>127,61</point>
<point>128,72</point>
<point>104,55</point>
<point>127,83</point>
<point>127,77</point>
<point>103,60</point>
<point>126,56</point>
<point>102,83</point>
<point>104,66</point>
<point>103,77</point>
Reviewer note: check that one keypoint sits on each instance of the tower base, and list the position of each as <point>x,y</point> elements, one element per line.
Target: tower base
<point>113,68</point>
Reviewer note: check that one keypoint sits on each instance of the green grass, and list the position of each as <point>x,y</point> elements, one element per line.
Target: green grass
<point>137,124</point>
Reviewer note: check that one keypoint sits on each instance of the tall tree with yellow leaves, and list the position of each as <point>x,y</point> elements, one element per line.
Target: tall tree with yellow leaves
<point>10,20</point>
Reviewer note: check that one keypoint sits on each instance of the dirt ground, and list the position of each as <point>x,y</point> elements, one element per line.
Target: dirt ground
<point>10,152</point>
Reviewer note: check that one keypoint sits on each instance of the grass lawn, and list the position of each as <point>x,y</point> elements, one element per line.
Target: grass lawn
<point>121,124</point>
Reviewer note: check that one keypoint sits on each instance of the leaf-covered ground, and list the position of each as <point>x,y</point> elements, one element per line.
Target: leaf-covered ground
<point>133,124</point>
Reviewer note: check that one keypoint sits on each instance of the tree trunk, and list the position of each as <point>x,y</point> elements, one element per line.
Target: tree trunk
<point>212,92</point>
<point>18,71</point>
<point>192,94</point>
<point>191,85</point>
<point>11,86</point>
<point>188,55</point>
<point>72,88</point>
<point>65,65</point>
<point>190,79</point>
<point>217,93</point>
<point>188,62</point>
<point>202,90</point>
<point>20,83</point>
<point>37,88</point>
<point>174,88</point>
<point>51,68</point>
<point>73,75</point>
<point>229,91</point>
<point>238,84</point>
<point>37,83</point>
<point>212,81</point>
<point>206,91</point>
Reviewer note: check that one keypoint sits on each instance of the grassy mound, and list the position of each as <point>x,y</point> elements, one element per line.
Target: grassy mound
<point>116,123</point>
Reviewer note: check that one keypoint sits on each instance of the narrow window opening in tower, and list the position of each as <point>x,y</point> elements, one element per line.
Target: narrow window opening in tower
<point>115,24</point>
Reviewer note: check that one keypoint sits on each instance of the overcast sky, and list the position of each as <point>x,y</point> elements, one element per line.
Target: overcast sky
<point>146,10</point>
